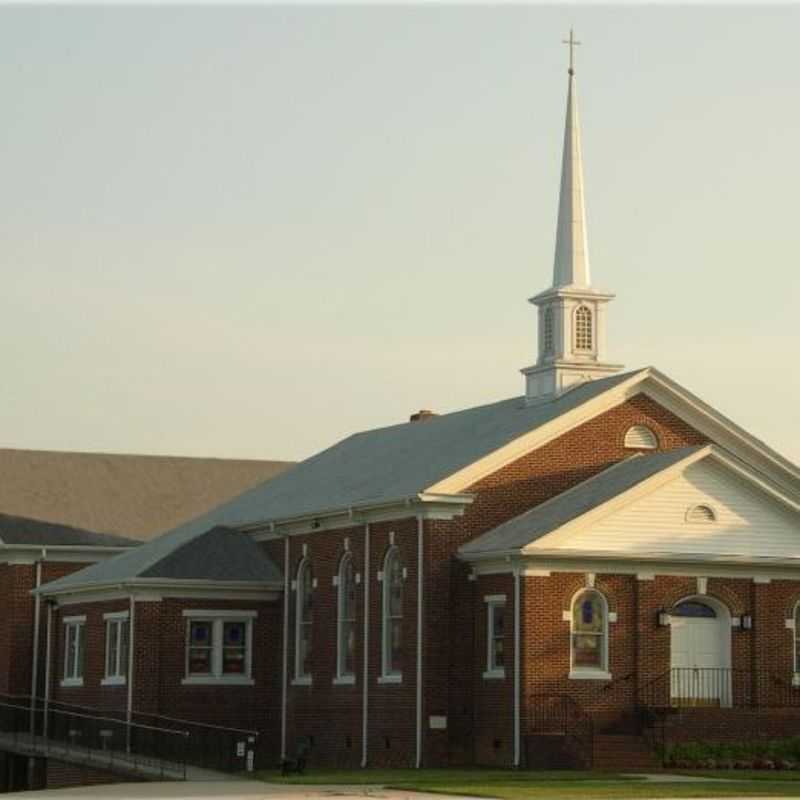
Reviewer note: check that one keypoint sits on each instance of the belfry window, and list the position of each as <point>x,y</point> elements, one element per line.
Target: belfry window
<point>589,635</point>
<point>346,620</point>
<point>583,329</point>
<point>303,620</point>
<point>392,616</point>
<point>547,331</point>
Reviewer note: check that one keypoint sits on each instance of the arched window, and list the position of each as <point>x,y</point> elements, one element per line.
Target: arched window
<point>392,615</point>
<point>703,515</point>
<point>583,329</point>
<point>694,608</point>
<point>547,331</point>
<point>640,437</point>
<point>796,618</point>
<point>346,619</point>
<point>589,632</point>
<point>303,620</point>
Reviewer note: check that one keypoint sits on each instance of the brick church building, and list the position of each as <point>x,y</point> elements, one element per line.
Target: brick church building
<point>460,588</point>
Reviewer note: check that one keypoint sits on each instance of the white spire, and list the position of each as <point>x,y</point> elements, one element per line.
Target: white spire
<point>572,313</point>
<point>571,267</point>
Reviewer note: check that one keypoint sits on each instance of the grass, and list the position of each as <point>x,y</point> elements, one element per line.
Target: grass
<point>529,785</point>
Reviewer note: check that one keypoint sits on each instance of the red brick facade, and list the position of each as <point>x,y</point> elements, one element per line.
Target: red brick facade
<point>466,718</point>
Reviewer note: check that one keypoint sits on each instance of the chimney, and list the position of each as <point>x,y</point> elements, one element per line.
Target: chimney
<point>422,415</point>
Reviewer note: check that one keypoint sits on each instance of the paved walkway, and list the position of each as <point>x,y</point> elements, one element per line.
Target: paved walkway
<point>228,790</point>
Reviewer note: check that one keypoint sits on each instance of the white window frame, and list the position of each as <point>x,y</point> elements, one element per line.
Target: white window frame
<point>218,618</point>
<point>342,676</point>
<point>72,675</point>
<point>589,673</point>
<point>493,671</point>
<point>301,678</point>
<point>393,675</point>
<point>115,623</point>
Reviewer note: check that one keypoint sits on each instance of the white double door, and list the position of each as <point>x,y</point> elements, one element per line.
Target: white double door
<point>700,662</point>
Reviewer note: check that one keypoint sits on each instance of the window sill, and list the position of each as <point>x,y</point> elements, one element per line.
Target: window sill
<point>397,678</point>
<point>305,680</point>
<point>494,675</point>
<point>589,675</point>
<point>116,680</point>
<point>67,682</point>
<point>222,680</point>
<point>345,680</point>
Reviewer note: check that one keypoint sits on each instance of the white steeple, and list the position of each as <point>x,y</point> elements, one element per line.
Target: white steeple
<point>571,266</point>
<point>572,314</point>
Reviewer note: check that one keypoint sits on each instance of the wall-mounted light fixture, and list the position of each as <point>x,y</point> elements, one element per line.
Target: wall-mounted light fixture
<point>662,618</point>
<point>747,622</point>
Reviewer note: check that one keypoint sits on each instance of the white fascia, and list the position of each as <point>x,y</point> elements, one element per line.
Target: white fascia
<point>665,392</point>
<point>429,505</point>
<point>711,566</point>
<point>157,588</point>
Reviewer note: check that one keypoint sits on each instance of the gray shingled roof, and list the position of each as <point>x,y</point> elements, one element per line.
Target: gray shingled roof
<point>130,495</point>
<point>38,533</point>
<point>380,465</point>
<point>553,514</point>
<point>396,462</point>
<point>220,554</point>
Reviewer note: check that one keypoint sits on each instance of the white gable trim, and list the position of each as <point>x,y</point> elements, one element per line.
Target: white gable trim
<point>651,485</point>
<point>663,391</point>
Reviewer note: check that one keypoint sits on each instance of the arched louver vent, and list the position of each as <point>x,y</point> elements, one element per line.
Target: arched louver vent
<point>701,514</point>
<point>640,437</point>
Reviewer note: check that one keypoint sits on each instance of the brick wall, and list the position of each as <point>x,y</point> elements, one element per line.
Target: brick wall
<point>159,667</point>
<point>16,622</point>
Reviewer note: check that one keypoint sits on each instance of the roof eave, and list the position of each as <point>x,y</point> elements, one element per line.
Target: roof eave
<point>171,584</point>
<point>358,512</point>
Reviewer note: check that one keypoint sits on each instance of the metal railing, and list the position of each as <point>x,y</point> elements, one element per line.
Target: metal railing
<point>719,687</point>
<point>101,741</point>
<point>561,715</point>
<point>212,746</point>
<point>209,746</point>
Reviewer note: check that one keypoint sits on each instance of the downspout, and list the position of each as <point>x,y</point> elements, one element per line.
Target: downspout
<point>37,614</point>
<point>284,681</point>
<point>420,555</point>
<point>517,662</point>
<point>365,688</point>
<point>131,646</point>
<point>47,659</point>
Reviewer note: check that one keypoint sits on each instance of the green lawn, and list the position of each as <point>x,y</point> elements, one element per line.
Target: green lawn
<point>523,784</point>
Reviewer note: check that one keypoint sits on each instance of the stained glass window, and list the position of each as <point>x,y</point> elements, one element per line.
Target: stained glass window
<point>693,608</point>
<point>392,613</point>
<point>347,617</point>
<point>589,630</point>
<point>305,614</point>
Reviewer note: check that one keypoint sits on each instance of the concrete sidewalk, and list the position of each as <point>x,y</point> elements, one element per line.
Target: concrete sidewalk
<point>226,790</point>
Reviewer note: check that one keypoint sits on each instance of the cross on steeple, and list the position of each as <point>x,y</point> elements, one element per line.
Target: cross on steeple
<point>573,43</point>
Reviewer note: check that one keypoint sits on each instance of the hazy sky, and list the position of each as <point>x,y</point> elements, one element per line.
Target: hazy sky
<point>250,232</point>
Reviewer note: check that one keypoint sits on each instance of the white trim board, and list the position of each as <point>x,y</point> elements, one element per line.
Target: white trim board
<point>663,391</point>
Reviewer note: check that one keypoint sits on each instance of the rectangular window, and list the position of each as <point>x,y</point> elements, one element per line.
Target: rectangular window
<point>74,650</point>
<point>219,646</point>
<point>495,636</point>
<point>116,648</point>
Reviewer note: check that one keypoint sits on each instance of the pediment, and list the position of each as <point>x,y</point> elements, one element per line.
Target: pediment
<point>710,507</point>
